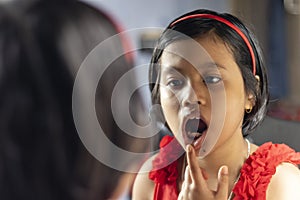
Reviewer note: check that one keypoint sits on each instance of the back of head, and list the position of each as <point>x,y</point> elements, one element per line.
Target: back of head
<point>42,44</point>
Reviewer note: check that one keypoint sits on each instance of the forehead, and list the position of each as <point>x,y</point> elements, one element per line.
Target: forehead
<point>198,52</point>
<point>187,49</point>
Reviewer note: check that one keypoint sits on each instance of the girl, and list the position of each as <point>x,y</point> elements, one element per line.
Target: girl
<point>210,80</point>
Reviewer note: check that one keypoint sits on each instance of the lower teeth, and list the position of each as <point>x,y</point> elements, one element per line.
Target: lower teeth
<point>194,135</point>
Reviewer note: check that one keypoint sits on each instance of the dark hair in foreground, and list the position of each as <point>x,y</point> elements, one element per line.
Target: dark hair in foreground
<point>42,44</point>
<point>200,27</point>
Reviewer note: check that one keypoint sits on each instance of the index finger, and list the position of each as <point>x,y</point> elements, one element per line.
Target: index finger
<point>195,171</point>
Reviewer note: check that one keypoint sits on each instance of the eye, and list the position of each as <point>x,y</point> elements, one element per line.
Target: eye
<point>211,80</point>
<point>175,83</point>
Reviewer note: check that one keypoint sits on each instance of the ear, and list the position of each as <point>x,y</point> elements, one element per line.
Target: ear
<point>258,82</point>
<point>250,101</point>
<point>250,97</point>
<point>257,78</point>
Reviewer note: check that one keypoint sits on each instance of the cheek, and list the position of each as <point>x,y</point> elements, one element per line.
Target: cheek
<point>235,104</point>
<point>170,106</point>
<point>168,98</point>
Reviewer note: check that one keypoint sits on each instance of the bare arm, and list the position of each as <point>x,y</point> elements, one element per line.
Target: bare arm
<point>143,187</point>
<point>285,184</point>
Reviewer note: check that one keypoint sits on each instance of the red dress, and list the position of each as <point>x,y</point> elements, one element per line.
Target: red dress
<point>256,172</point>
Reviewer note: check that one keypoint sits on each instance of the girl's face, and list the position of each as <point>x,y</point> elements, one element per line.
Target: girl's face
<point>202,93</point>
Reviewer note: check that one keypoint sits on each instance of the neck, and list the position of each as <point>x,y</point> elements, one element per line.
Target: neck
<point>232,152</point>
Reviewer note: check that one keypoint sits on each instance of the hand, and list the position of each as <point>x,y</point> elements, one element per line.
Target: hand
<point>194,185</point>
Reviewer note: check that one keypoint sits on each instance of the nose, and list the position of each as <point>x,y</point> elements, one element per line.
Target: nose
<point>194,95</point>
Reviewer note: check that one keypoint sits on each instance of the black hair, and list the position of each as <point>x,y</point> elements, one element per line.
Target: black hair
<point>42,44</point>
<point>196,27</point>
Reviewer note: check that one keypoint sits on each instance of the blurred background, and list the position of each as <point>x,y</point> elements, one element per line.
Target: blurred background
<point>276,23</point>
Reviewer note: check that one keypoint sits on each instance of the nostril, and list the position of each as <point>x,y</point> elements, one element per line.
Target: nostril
<point>191,103</point>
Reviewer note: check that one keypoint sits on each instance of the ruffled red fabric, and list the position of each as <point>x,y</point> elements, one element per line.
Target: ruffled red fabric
<point>255,177</point>
<point>165,172</point>
<point>259,168</point>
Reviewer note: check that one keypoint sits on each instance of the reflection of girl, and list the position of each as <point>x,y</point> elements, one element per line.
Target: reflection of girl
<point>42,44</point>
<point>190,84</point>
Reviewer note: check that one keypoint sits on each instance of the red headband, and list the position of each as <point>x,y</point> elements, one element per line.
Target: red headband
<point>228,23</point>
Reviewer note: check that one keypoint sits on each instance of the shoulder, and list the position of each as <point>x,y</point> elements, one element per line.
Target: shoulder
<point>269,171</point>
<point>143,186</point>
<point>285,183</point>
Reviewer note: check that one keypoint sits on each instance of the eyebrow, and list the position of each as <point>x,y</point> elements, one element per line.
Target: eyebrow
<point>212,64</point>
<point>172,68</point>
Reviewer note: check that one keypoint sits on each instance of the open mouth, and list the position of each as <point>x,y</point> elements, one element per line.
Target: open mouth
<point>195,128</point>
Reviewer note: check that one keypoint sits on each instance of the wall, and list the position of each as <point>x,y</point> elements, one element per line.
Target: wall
<point>139,14</point>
